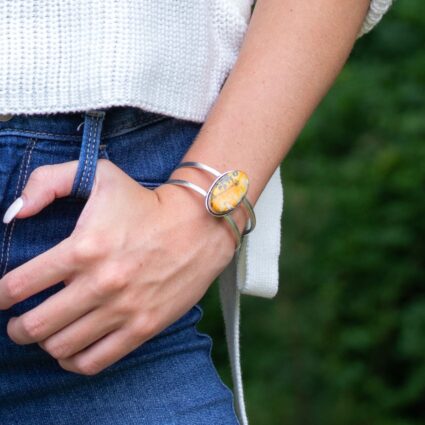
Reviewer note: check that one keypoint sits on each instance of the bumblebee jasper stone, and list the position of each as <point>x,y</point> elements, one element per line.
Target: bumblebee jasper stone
<point>227,192</point>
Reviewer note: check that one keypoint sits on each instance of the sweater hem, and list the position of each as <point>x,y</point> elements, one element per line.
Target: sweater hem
<point>81,107</point>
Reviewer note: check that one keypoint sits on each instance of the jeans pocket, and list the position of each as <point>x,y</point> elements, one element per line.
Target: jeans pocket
<point>19,169</point>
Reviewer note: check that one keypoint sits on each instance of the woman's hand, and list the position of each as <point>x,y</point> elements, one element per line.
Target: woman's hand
<point>137,260</point>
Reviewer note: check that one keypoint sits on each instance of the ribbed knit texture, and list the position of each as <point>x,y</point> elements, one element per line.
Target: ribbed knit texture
<point>164,56</point>
<point>377,9</point>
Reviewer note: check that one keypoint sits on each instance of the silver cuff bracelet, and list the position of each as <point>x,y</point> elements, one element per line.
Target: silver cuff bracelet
<point>224,195</point>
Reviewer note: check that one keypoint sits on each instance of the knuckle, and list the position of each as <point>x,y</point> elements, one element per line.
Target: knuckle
<point>58,350</point>
<point>66,364</point>
<point>81,366</point>
<point>14,287</point>
<point>40,174</point>
<point>146,327</point>
<point>33,326</point>
<point>95,290</point>
<point>87,248</point>
<point>109,286</point>
<point>114,280</point>
<point>88,367</point>
<point>102,288</point>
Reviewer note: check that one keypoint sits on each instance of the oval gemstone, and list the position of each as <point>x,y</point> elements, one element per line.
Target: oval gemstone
<point>228,192</point>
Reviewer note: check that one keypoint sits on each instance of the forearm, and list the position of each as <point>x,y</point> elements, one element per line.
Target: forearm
<point>292,52</point>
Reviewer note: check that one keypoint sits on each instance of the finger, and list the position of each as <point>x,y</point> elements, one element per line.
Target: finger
<point>102,353</point>
<point>44,185</point>
<point>52,315</point>
<point>81,333</point>
<point>37,274</point>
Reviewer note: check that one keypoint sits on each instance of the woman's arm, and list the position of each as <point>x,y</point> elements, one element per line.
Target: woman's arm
<point>138,259</point>
<point>292,52</point>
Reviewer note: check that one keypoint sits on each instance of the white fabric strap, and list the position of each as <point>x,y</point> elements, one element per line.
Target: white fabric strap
<point>258,262</point>
<point>230,304</point>
<point>258,277</point>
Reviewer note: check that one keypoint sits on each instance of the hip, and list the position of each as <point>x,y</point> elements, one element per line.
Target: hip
<point>172,369</point>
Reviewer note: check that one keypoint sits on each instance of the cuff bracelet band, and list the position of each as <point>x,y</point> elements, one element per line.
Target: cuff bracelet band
<point>233,184</point>
<point>228,218</point>
<point>224,195</point>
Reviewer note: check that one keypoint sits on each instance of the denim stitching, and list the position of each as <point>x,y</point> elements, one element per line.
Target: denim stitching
<point>85,162</point>
<point>79,189</point>
<point>27,161</point>
<point>91,154</point>
<point>16,193</point>
<point>35,133</point>
<point>93,157</point>
<point>2,245</point>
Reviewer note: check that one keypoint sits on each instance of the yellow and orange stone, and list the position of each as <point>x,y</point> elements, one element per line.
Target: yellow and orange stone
<point>228,192</point>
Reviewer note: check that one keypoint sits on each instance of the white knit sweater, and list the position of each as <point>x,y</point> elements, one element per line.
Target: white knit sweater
<point>164,56</point>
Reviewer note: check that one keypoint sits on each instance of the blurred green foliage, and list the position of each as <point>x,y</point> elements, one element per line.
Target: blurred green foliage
<point>343,342</point>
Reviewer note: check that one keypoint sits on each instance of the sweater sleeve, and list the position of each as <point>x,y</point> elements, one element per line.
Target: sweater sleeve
<point>377,9</point>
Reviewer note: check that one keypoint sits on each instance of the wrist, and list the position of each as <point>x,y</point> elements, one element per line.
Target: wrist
<point>204,180</point>
<point>193,203</point>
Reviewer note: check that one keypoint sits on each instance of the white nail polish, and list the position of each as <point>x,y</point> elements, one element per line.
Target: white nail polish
<point>13,209</point>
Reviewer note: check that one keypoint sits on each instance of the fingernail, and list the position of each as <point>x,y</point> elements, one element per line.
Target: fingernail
<point>13,209</point>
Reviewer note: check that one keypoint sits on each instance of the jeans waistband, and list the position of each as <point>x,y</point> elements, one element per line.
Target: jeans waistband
<point>68,125</point>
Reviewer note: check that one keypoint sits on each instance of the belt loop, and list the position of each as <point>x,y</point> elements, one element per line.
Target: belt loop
<point>89,152</point>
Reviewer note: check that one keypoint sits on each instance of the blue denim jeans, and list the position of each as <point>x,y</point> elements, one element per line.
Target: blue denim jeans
<point>168,380</point>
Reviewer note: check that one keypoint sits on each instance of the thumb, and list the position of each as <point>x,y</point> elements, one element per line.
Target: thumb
<point>44,185</point>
